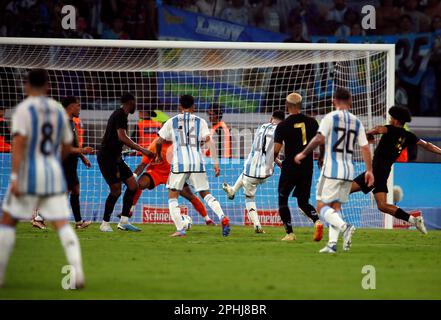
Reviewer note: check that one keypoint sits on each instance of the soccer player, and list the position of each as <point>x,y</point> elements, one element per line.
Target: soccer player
<point>295,132</point>
<point>70,164</point>
<point>188,132</point>
<point>114,169</point>
<point>157,174</point>
<point>338,131</point>
<point>258,167</point>
<point>394,139</point>
<point>41,132</point>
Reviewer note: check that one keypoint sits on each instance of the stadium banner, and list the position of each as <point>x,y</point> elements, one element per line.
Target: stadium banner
<point>157,215</point>
<point>175,24</point>
<point>269,217</point>
<point>412,51</point>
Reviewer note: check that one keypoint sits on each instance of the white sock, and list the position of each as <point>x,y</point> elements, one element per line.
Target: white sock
<point>252,212</point>
<point>71,246</point>
<point>333,235</point>
<point>207,217</point>
<point>238,184</point>
<point>124,220</point>
<point>7,240</point>
<point>333,218</point>
<point>412,220</point>
<point>214,205</point>
<point>175,213</point>
<point>38,218</point>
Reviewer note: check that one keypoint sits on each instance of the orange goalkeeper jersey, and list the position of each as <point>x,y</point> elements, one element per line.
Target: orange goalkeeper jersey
<point>162,168</point>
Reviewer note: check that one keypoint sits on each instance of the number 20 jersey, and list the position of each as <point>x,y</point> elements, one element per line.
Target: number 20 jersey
<point>45,125</point>
<point>341,130</point>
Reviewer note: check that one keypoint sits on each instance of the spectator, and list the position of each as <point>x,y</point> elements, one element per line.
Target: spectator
<point>117,30</point>
<point>267,17</point>
<point>189,5</point>
<point>135,19</point>
<point>420,22</point>
<point>310,16</point>
<point>350,18</point>
<point>436,24</point>
<point>357,30</point>
<point>388,15</point>
<point>296,33</point>
<point>237,12</point>
<point>405,25</point>
<point>284,7</point>
<point>337,13</point>
<point>433,8</point>
<point>212,8</point>
<point>81,31</point>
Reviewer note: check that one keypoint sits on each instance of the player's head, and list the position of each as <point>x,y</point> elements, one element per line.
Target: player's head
<point>342,99</point>
<point>215,113</point>
<point>399,116</point>
<point>72,106</point>
<point>186,102</point>
<point>278,116</point>
<point>294,102</point>
<point>128,102</point>
<point>37,82</point>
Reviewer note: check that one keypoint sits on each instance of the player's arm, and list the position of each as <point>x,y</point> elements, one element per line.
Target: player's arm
<point>318,140</point>
<point>366,154</point>
<point>18,148</point>
<point>124,138</point>
<point>374,131</point>
<point>321,156</point>
<point>429,146</point>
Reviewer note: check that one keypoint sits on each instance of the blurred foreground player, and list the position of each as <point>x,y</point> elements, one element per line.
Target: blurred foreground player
<point>40,131</point>
<point>258,167</point>
<point>114,169</point>
<point>157,173</point>
<point>394,139</point>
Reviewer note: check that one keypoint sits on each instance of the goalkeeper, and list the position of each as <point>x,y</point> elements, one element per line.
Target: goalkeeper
<point>156,174</point>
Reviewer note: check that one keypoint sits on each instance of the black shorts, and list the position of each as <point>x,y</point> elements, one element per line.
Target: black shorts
<point>70,173</point>
<point>113,169</point>
<point>381,174</point>
<point>295,179</point>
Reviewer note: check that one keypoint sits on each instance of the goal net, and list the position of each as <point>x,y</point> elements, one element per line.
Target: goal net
<point>248,81</point>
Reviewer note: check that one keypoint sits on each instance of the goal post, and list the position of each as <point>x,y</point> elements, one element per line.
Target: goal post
<point>247,81</point>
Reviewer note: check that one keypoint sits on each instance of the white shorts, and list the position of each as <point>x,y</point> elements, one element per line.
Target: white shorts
<point>198,180</point>
<point>333,190</point>
<point>250,185</point>
<point>51,208</point>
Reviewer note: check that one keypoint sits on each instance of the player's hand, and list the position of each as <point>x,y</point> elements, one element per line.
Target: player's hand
<point>320,163</point>
<point>278,162</point>
<point>216,170</point>
<point>369,178</point>
<point>86,162</point>
<point>14,189</point>
<point>147,153</point>
<point>299,157</point>
<point>370,137</point>
<point>87,150</point>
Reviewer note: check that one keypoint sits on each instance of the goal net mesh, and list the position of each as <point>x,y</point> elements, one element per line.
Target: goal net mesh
<point>248,85</point>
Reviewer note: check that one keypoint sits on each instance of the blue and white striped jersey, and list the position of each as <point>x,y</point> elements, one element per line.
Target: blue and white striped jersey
<point>44,123</point>
<point>187,132</point>
<point>341,130</point>
<point>260,161</point>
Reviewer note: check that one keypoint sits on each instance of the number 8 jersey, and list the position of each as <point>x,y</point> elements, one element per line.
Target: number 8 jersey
<point>341,130</point>
<point>44,123</point>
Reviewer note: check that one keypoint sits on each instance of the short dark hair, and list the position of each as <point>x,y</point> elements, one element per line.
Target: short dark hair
<point>402,114</point>
<point>66,101</point>
<point>186,101</point>
<point>37,78</point>
<point>126,97</point>
<point>279,114</point>
<point>342,94</point>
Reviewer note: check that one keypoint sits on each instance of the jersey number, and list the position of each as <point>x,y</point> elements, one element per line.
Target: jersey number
<point>47,144</point>
<point>346,140</point>
<point>302,127</point>
<point>188,138</point>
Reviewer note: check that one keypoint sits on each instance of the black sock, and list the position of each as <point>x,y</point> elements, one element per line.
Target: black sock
<point>110,205</point>
<point>128,202</point>
<point>401,214</point>
<point>75,204</point>
<point>309,211</point>
<point>285,214</point>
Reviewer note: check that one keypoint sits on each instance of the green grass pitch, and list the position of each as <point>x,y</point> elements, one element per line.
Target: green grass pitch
<point>151,265</point>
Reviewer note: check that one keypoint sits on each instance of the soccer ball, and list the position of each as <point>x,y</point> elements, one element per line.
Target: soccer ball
<point>186,219</point>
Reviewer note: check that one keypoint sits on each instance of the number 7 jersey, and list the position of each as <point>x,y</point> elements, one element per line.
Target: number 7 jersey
<point>44,123</point>
<point>341,130</point>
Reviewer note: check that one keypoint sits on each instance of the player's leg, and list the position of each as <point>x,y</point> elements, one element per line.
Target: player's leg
<point>250,187</point>
<point>132,187</point>
<point>286,185</point>
<point>56,210</point>
<point>415,218</point>
<point>231,191</point>
<point>200,183</point>
<point>7,241</point>
<point>359,184</point>
<point>175,184</point>
<point>144,182</point>
<point>76,210</point>
<point>196,203</point>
